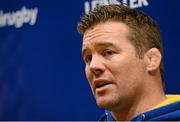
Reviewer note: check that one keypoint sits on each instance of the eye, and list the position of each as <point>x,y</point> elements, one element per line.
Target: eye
<point>107,52</point>
<point>88,59</point>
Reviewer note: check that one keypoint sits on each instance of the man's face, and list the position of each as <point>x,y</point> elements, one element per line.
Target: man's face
<point>113,70</point>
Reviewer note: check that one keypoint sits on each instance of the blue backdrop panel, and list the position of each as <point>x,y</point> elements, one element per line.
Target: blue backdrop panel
<point>41,69</point>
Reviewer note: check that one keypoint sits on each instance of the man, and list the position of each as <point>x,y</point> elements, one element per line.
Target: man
<point>122,51</point>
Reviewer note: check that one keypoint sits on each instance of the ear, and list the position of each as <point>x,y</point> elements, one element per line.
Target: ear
<point>153,59</point>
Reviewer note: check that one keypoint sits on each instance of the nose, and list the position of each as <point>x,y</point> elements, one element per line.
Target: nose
<point>97,66</point>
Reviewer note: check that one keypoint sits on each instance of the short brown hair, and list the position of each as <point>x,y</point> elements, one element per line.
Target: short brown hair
<point>144,33</point>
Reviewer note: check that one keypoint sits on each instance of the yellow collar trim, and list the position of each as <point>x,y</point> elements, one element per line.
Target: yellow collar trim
<point>169,99</point>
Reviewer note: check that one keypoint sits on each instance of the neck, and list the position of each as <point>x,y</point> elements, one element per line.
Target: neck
<point>152,95</point>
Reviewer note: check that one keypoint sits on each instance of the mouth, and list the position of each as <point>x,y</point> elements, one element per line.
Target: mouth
<point>101,83</point>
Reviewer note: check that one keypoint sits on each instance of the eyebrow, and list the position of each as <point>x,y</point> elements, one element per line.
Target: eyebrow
<point>99,44</point>
<point>104,44</point>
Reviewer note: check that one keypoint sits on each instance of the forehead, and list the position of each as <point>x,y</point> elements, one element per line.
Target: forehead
<point>112,27</point>
<point>105,33</point>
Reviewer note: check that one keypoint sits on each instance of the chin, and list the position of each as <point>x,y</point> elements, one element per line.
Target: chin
<point>104,103</point>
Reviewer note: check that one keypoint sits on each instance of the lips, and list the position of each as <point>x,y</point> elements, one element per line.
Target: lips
<point>99,83</point>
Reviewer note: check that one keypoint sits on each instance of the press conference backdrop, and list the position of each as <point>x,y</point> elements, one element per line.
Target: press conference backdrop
<point>41,69</point>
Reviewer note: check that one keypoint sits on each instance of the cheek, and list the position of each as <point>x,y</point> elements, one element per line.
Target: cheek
<point>88,75</point>
<point>127,70</point>
<point>89,78</point>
